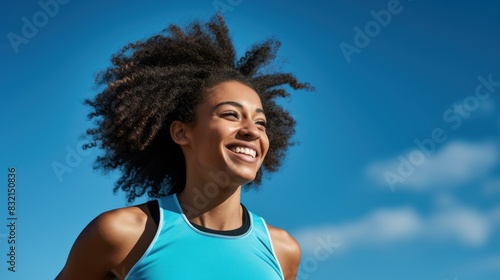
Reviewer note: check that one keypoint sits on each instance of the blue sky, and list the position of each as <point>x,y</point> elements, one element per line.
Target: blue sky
<point>396,167</point>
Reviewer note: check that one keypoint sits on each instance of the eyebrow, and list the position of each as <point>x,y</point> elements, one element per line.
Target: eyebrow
<point>236,104</point>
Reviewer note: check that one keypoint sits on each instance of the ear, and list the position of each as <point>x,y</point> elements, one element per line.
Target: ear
<point>178,132</point>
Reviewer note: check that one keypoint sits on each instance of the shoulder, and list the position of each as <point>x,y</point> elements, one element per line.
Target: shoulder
<point>105,243</point>
<point>287,250</point>
<point>119,223</point>
<point>117,227</point>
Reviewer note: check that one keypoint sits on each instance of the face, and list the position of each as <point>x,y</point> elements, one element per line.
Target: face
<point>228,135</point>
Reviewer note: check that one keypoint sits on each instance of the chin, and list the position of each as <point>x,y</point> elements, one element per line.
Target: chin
<point>241,173</point>
<point>245,179</point>
<point>242,178</point>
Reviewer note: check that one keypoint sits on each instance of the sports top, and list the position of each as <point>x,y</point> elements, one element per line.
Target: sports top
<point>180,250</point>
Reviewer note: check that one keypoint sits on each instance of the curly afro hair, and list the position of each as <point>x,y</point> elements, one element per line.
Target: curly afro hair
<point>153,82</point>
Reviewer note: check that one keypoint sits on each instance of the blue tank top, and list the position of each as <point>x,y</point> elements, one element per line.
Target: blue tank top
<point>181,251</point>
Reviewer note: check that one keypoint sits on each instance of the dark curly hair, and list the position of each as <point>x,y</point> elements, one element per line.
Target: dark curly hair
<point>153,82</point>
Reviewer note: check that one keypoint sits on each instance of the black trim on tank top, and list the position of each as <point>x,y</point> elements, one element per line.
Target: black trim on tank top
<point>234,232</point>
<point>154,210</point>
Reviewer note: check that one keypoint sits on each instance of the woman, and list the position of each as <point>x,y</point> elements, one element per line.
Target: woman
<point>187,123</point>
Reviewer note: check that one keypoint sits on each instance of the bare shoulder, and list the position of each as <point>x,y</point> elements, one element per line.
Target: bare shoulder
<point>287,250</point>
<point>119,228</point>
<point>105,243</point>
<point>118,225</point>
<point>282,239</point>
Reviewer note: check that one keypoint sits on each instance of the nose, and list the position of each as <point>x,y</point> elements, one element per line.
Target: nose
<point>249,130</point>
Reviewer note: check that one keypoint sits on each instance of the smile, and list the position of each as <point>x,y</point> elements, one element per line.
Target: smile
<point>244,150</point>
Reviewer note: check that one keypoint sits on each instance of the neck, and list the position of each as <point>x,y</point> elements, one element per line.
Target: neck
<point>212,206</point>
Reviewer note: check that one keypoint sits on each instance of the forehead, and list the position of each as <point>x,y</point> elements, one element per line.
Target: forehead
<point>233,91</point>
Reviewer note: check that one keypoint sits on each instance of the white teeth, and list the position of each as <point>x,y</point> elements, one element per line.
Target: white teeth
<point>243,150</point>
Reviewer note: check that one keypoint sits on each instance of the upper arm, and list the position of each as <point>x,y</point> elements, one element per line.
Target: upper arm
<point>287,250</point>
<point>99,248</point>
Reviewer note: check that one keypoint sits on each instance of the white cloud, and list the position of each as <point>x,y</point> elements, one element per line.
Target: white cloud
<point>465,225</point>
<point>387,226</point>
<point>487,264</point>
<point>456,163</point>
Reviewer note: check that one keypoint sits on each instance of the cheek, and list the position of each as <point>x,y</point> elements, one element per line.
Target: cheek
<point>217,134</point>
<point>265,143</point>
<point>225,130</point>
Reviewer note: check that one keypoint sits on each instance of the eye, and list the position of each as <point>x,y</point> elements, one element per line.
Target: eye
<point>261,123</point>
<point>230,114</point>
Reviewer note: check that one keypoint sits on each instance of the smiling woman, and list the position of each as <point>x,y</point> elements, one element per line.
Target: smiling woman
<point>190,125</point>
<point>229,134</point>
